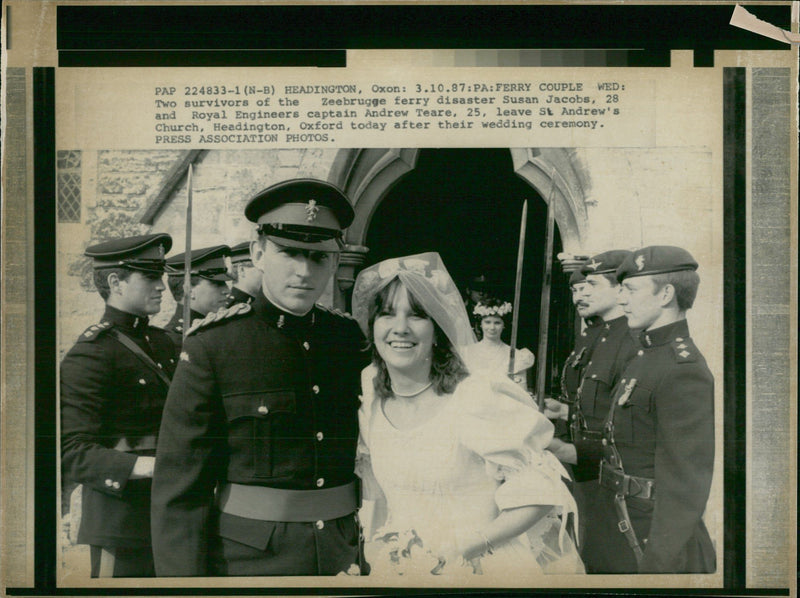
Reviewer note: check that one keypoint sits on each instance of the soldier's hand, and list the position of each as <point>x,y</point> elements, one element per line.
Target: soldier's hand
<point>564,451</point>
<point>554,409</point>
<point>143,468</point>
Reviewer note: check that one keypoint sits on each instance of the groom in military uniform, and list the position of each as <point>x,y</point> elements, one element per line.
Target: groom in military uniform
<point>255,469</point>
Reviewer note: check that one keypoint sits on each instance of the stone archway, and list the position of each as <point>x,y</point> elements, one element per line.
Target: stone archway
<point>367,175</point>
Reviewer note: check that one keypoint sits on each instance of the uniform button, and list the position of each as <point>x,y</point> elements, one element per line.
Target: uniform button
<point>306,346</point>
<point>640,353</point>
<point>604,339</point>
<point>320,524</point>
<point>605,442</point>
<point>679,339</point>
<point>142,381</point>
<point>159,365</point>
<point>108,483</point>
<point>320,482</point>
<point>588,364</point>
<point>263,410</point>
<point>574,416</point>
<point>315,389</point>
<point>320,436</point>
<point>594,376</point>
<point>115,485</point>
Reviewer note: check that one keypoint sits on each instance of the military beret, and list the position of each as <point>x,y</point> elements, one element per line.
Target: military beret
<point>304,213</point>
<point>240,252</point>
<point>144,253</point>
<point>604,263</point>
<point>656,259</point>
<point>208,263</point>
<point>576,277</point>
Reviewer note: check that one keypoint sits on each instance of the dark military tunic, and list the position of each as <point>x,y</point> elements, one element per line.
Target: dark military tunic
<point>574,365</point>
<point>237,295</point>
<point>110,398</point>
<point>176,326</point>
<point>608,355</point>
<point>260,398</point>
<point>664,430</point>
<point>572,371</point>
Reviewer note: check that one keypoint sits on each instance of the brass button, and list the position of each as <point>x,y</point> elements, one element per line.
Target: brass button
<point>115,485</point>
<point>306,346</point>
<point>263,410</point>
<point>640,353</point>
<point>315,389</point>
<point>320,524</point>
<point>142,381</point>
<point>108,483</point>
<point>320,436</point>
<point>320,482</point>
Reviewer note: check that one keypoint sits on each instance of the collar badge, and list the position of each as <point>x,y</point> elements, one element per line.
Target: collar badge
<point>311,210</point>
<point>593,264</point>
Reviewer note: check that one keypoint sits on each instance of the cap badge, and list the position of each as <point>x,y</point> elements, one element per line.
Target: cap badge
<point>639,263</point>
<point>161,252</point>
<point>593,264</point>
<point>311,210</point>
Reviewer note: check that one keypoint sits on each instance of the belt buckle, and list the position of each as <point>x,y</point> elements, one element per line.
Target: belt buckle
<point>623,526</point>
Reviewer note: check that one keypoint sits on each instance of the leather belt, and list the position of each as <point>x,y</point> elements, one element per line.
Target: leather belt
<point>276,504</point>
<point>132,445</point>
<point>626,485</point>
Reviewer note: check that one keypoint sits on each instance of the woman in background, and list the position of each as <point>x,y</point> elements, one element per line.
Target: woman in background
<point>491,354</point>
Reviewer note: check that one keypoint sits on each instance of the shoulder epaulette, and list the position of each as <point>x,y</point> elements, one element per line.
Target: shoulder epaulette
<point>220,315</point>
<point>335,312</point>
<point>685,351</point>
<point>93,331</point>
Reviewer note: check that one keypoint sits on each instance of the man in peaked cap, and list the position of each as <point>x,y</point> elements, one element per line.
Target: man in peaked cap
<point>603,361</point>
<point>658,437</point>
<point>114,382</point>
<point>255,471</point>
<point>247,278</point>
<point>209,276</point>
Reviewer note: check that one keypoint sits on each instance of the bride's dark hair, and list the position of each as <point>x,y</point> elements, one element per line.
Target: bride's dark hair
<point>447,368</point>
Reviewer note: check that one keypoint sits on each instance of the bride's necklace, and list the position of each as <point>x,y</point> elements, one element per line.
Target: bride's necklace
<point>411,394</point>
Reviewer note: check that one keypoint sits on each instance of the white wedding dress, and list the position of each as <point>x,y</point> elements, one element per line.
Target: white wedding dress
<point>483,451</point>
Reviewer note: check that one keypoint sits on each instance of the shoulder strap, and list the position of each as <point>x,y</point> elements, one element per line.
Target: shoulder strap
<point>137,350</point>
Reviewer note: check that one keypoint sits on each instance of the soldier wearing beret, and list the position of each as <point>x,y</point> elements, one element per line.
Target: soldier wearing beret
<point>572,371</point>
<point>602,363</point>
<point>114,382</point>
<point>255,470</point>
<point>658,437</point>
<point>247,278</point>
<point>209,276</point>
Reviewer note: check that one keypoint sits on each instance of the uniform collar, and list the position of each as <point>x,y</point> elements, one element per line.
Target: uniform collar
<point>239,296</point>
<point>676,331</point>
<point>280,318</point>
<point>178,317</point>
<point>126,321</point>
<point>593,321</point>
<point>617,323</point>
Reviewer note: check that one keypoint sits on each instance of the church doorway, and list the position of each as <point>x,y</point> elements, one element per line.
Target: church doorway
<point>466,204</point>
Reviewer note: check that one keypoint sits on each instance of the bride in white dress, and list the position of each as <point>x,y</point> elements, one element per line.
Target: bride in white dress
<point>454,465</point>
<point>490,353</point>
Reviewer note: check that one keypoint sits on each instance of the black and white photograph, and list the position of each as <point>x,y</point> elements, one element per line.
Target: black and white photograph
<point>403,318</point>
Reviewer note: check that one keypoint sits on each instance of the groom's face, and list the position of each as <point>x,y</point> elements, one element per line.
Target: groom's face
<point>293,278</point>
